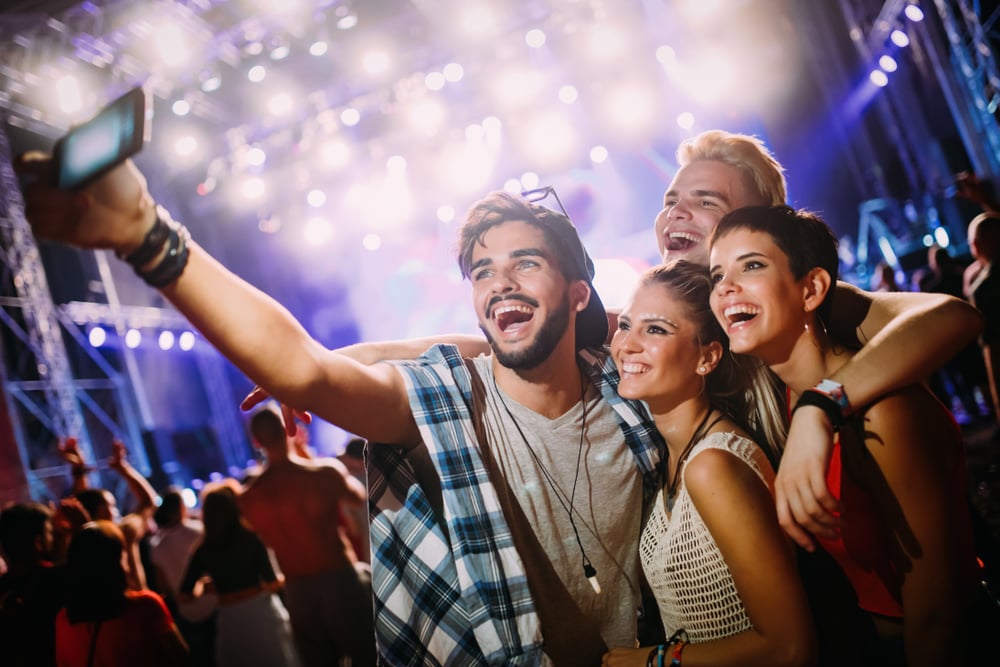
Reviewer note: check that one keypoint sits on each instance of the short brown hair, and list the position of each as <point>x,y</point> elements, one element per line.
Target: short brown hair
<point>561,238</point>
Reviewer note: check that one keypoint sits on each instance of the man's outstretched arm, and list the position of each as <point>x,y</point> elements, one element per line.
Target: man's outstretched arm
<point>905,337</point>
<point>373,352</point>
<point>243,323</point>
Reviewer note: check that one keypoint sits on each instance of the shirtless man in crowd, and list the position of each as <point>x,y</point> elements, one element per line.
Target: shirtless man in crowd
<point>297,507</point>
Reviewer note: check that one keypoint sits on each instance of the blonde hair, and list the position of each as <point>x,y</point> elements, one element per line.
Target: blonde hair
<point>743,151</point>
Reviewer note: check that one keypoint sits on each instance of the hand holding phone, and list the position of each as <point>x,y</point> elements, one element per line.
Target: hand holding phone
<point>90,150</point>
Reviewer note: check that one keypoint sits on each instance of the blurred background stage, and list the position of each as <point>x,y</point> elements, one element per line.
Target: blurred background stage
<point>327,149</point>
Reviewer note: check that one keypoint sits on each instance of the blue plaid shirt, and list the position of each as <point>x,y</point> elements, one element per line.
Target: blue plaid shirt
<point>449,586</point>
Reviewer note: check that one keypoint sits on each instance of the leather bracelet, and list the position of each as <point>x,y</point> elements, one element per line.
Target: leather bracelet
<point>169,269</point>
<point>825,403</point>
<point>152,243</point>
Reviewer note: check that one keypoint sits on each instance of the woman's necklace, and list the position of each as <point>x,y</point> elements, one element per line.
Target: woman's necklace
<point>588,568</point>
<point>696,437</point>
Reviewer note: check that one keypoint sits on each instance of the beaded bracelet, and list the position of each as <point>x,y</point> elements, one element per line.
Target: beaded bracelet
<point>678,636</point>
<point>675,655</point>
<point>658,653</point>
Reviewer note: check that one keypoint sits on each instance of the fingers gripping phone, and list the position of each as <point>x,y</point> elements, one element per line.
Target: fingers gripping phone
<point>90,150</point>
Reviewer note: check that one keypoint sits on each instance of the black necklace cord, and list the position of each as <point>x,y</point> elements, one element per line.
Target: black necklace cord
<point>589,570</point>
<point>696,437</point>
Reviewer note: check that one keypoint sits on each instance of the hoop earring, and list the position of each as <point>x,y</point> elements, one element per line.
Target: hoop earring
<point>812,336</point>
<point>822,326</point>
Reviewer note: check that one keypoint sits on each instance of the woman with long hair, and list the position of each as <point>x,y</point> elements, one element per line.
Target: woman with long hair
<point>898,470</point>
<point>252,627</point>
<point>103,623</point>
<point>723,574</point>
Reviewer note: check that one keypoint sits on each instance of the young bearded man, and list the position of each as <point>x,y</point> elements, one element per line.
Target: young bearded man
<point>520,545</point>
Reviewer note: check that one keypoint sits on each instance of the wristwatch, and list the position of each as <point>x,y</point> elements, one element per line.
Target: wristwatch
<point>830,397</point>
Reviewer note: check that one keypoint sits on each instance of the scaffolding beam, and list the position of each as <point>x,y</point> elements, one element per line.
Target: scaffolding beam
<point>972,81</point>
<point>50,378</point>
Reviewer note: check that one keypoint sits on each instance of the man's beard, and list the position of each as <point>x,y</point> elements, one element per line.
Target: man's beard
<point>541,348</point>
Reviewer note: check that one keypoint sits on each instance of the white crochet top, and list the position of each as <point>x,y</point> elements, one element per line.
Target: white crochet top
<point>693,586</point>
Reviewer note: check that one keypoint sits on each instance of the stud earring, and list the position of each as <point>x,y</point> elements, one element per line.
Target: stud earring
<point>701,369</point>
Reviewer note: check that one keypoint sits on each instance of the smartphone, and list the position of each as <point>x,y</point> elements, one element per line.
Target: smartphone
<point>90,150</point>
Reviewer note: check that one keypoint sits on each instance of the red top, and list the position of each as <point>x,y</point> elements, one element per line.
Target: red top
<point>124,641</point>
<point>859,548</point>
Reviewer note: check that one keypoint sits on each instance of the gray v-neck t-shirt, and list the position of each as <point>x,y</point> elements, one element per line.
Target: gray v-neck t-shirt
<point>540,465</point>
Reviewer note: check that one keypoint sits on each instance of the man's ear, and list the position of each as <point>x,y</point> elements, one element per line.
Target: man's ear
<point>815,286</point>
<point>579,294</point>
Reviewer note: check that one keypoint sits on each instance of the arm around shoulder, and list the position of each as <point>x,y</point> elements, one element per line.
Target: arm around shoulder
<point>906,337</point>
<point>929,328</point>
<point>372,352</point>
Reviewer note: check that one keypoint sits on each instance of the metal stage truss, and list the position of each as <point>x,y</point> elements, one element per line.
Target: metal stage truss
<point>952,54</point>
<point>49,398</point>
